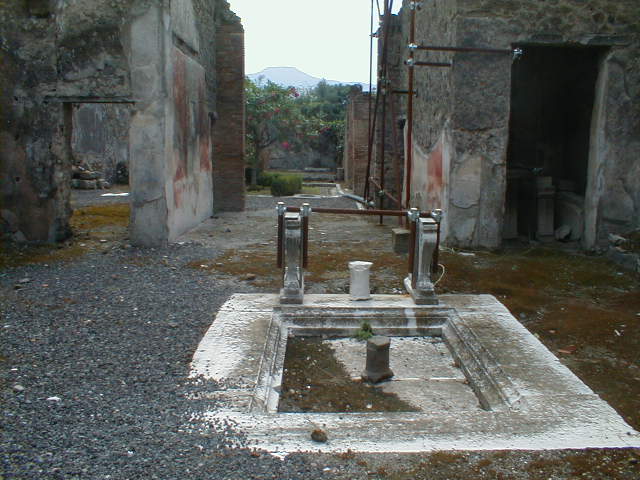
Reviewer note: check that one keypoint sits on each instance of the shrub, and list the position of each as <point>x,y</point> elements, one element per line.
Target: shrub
<point>286,185</point>
<point>265,179</point>
<point>365,332</point>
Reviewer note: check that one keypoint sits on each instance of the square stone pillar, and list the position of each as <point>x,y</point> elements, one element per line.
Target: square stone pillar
<point>418,284</point>
<point>293,280</point>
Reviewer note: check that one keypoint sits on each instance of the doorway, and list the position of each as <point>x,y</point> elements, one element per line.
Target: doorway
<point>552,99</point>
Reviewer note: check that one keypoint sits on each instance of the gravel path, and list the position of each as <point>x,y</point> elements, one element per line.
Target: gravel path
<point>95,357</point>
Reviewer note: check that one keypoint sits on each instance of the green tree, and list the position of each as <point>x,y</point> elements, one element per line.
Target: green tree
<point>272,116</point>
<point>280,115</point>
<point>327,104</point>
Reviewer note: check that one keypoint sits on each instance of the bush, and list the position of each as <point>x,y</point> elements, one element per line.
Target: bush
<point>265,179</point>
<point>284,185</point>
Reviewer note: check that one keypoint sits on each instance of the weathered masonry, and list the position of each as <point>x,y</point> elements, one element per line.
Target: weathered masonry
<point>139,83</point>
<point>356,142</point>
<point>518,148</point>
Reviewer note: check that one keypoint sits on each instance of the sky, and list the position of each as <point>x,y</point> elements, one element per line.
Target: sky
<point>324,38</point>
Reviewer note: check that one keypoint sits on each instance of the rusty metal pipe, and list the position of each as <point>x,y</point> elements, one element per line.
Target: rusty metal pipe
<point>370,70</point>
<point>305,241</point>
<point>437,48</point>
<point>396,157</point>
<point>388,6</point>
<point>372,129</point>
<point>409,155</point>
<point>280,239</point>
<point>353,211</point>
<point>432,64</point>
<point>386,194</point>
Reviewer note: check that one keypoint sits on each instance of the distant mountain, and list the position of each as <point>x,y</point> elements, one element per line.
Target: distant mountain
<point>292,77</point>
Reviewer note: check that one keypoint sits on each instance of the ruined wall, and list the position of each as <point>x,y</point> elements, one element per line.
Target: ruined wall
<point>53,54</point>
<point>389,119</point>
<point>229,130</point>
<point>72,70</point>
<point>462,114</point>
<point>50,51</point>
<point>280,159</point>
<point>356,141</point>
<point>611,196</point>
<point>171,70</point>
<point>432,103</point>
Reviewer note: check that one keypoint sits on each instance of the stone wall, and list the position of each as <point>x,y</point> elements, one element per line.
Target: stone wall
<point>34,124</point>
<point>389,121</point>
<point>71,66</point>
<point>356,141</point>
<point>100,138</point>
<point>280,159</point>
<point>462,114</point>
<point>170,144</point>
<point>229,130</point>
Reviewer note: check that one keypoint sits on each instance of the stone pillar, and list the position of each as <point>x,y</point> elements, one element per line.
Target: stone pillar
<point>377,367</point>
<point>229,131</point>
<point>170,133</point>
<point>293,282</point>
<point>359,285</point>
<point>147,135</point>
<point>418,284</point>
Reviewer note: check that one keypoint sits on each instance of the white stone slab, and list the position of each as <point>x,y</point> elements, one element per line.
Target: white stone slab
<point>537,403</point>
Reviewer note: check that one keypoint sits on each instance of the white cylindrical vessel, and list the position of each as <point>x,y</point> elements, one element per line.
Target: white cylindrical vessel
<point>359,286</point>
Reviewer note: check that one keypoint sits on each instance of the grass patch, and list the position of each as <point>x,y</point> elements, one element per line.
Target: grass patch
<point>88,223</point>
<point>100,218</point>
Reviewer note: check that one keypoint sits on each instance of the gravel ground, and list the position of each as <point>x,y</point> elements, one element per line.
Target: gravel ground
<point>94,357</point>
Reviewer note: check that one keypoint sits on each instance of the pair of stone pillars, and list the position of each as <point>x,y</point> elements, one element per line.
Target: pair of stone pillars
<point>418,283</point>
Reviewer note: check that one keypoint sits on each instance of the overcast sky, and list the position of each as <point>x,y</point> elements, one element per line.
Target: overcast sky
<point>324,38</point>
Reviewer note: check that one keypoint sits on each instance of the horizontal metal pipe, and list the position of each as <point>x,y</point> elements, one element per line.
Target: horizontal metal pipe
<point>438,48</point>
<point>352,211</point>
<point>432,64</point>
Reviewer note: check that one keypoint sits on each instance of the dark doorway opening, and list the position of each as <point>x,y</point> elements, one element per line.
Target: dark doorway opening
<point>552,99</point>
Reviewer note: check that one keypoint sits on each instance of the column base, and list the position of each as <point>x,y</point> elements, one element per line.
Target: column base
<point>422,296</point>
<point>288,297</point>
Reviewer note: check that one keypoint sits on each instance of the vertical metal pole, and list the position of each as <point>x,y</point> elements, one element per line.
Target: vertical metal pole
<point>396,152</point>
<point>436,259</point>
<point>412,39</point>
<point>370,66</point>
<point>306,211</point>
<point>382,146</point>
<point>388,5</point>
<point>437,216</point>
<point>281,210</point>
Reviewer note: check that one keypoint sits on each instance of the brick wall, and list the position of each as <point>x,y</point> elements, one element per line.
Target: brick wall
<point>356,141</point>
<point>229,129</point>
